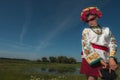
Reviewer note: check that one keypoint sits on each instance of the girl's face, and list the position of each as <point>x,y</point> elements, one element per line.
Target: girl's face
<point>92,20</point>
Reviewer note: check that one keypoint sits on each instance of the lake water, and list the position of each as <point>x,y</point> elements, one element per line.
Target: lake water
<point>65,71</point>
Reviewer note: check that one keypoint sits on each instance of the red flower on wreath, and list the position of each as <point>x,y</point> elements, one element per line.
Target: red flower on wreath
<point>90,10</point>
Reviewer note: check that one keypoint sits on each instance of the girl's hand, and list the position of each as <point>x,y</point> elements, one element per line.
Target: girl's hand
<point>103,63</point>
<point>112,64</point>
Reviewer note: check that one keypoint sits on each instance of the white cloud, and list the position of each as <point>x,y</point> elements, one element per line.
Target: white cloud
<point>15,45</point>
<point>22,34</point>
<point>28,16</point>
<point>59,29</point>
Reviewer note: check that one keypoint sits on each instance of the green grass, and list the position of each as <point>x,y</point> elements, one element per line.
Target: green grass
<point>17,70</point>
<point>44,76</point>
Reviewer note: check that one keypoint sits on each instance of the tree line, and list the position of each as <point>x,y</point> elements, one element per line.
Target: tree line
<point>51,59</point>
<point>59,59</point>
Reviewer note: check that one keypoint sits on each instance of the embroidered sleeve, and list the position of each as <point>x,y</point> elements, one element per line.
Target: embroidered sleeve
<point>91,56</point>
<point>86,47</point>
<point>112,46</point>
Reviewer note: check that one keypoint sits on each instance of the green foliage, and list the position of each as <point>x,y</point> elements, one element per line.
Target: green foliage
<point>64,59</point>
<point>53,59</point>
<point>44,59</point>
<point>24,70</point>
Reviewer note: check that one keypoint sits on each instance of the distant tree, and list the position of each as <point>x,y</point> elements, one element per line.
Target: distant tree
<point>39,60</point>
<point>52,59</point>
<point>62,59</point>
<point>72,60</point>
<point>59,59</point>
<point>66,60</point>
<point>44,59</point>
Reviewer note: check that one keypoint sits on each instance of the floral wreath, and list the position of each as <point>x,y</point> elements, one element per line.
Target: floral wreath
<point>90,10</point>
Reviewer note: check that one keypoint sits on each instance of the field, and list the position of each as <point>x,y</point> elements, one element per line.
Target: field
<point>24,70</point>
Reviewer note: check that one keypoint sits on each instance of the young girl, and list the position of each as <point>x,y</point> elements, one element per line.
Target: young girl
<point>99,46</point>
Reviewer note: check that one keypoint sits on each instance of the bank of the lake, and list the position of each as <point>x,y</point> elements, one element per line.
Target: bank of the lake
<point>31,70</point>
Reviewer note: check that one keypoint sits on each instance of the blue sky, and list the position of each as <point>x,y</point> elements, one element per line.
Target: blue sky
<point>32,29</point>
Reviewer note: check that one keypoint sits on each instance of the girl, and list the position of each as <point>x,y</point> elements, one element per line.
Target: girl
<point>99,46</point>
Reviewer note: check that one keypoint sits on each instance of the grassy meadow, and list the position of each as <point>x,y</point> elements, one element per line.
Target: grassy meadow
<point>24,70</point>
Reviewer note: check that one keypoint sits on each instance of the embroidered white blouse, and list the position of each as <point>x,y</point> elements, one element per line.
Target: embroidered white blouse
<point>100,36</point>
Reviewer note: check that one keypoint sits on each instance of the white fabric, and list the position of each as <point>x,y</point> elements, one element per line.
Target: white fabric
<point>102,39</point>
